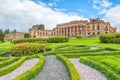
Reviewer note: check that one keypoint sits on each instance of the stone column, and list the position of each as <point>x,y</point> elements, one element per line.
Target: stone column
<point>70,31</point>
<point>66,31</point>
<point>81,30</point>
<point>77,30</point>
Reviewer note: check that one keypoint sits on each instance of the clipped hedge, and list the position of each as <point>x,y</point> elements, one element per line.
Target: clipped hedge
<point>58,39</point>
<point>7,62</point>
<point>30,74</point>
<point>12,66</point>
<point>74,75</point>
<point>23,49</point>
<point>30,40</point>
<point>107,72</point>
<point>110,38</point>
<point>78,37</point>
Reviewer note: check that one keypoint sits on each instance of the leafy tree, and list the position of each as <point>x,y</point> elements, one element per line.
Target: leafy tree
<point>27,35</point>
<point>39,26</point>
<point>14,31</point>
<point>1,36</point>
<point>7,31</point>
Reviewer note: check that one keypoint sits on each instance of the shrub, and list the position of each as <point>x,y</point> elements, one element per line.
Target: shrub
<point>26,35</point>
<point>78,37</point>
<point>110,38</point>
<point>74,75</point>
<point>30,40</point>
<point>58,39</point>
<point>26,49</point>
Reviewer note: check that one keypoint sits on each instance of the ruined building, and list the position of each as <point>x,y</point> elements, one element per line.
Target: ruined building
<point>14,36</point>
<point>85,28</point>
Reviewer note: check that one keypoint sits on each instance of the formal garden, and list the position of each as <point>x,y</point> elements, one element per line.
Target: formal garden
<point>61,58</point>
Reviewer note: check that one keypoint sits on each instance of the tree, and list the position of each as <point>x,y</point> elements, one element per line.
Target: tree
<point>39,26</point>
<point>26,35</point>
<point>7,31</point>
<point>14,31</point>
<point>1,32</point>
<point>1,36</point>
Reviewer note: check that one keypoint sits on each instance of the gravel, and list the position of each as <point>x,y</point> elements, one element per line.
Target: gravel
<point>86,72</point>
<point>21,69</point>
<point>53,70</point>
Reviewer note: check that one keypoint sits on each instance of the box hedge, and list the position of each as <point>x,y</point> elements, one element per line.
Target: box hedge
<point>30,40</point>
<point>23,49</point>
<point>74,75</point>
<point>58,39</point>
<point>110,38</point>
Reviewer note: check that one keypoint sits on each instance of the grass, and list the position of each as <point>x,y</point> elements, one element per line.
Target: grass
<point>76,48</point>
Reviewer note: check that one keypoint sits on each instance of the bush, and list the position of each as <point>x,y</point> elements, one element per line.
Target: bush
<point>26,35</point>
<point>30,40</point>
<point>26,49</point>
<point>58,39</point>
<point>74,75</point>
<point>110,38</point>
<point>78,37</point>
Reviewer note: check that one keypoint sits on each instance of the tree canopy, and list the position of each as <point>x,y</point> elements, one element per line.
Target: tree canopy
<point>39,26</point>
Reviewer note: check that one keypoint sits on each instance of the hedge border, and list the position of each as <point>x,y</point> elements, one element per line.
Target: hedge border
<point>107,72</point>
<point>11,67</point>
<point>28,75</point>
<point>73,73</point>
<point>7,62</point>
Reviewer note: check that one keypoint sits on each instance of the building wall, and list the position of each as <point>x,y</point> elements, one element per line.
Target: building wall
<point>14,36</point>
<point>84,28</point>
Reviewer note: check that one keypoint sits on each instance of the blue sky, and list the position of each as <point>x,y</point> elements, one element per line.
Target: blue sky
<point>22,14</point>
<point>80,7</point>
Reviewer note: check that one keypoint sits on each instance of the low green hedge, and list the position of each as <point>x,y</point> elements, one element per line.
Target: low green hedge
<point>74,75</point>
<point>12,66</point>
<point>77,55</point>
<point>7,62</point>
<point>58,39</point>
<point>30,40</point>
<point>28,75</point>
<point>108,73</point>
<point>23,49</point>
<point>110,38</point>
<point>78,37</point>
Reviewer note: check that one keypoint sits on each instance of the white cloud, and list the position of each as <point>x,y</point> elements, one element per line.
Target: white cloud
<point>101,4</point>
<point>23,14</point>
<point>113,15</point>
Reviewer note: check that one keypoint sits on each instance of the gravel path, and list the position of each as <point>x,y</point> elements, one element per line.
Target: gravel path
<point>86,72</point>
<point>21,69</point>
<point>52,70</point>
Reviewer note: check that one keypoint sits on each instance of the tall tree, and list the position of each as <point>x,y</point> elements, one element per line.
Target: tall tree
<point>39,26</point>
<point>1,32</point>
<point>14,31</point>
<point>1,36</point>
<point>7,31</point>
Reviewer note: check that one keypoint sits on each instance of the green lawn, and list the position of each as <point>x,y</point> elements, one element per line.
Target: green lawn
<point>76,48</point>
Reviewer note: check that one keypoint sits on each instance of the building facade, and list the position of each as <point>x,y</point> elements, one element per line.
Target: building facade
<point>14,36</point>
<point>85,28</point>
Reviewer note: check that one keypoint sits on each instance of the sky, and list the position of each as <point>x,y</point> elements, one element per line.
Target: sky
<point>23,14</point>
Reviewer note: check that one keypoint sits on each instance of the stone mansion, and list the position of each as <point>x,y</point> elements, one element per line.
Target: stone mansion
<point>85,28</point>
